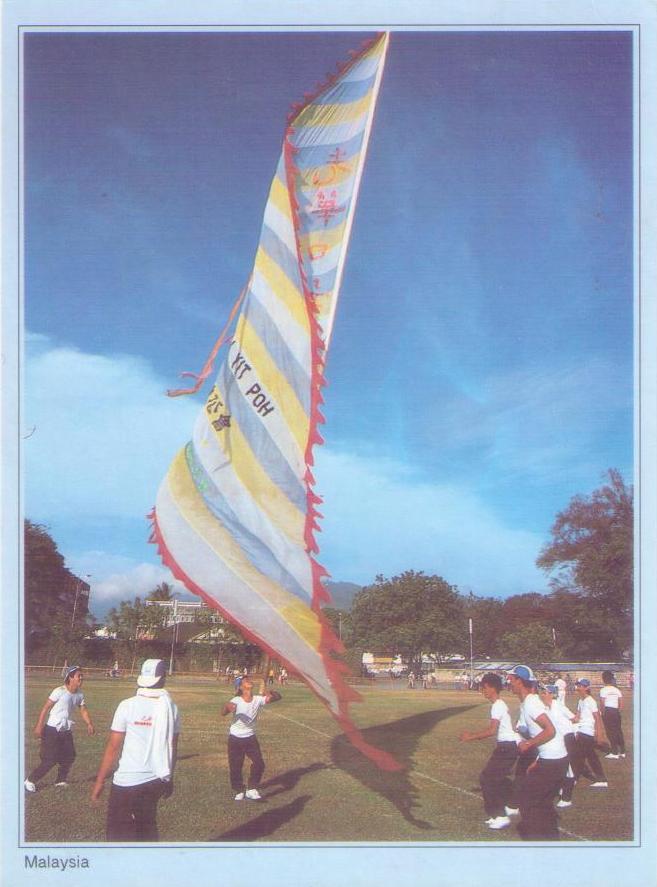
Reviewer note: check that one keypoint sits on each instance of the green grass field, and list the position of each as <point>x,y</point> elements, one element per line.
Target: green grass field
<point>316,788</point>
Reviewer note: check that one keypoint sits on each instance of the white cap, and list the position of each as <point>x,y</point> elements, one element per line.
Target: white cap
<point>151,672</point>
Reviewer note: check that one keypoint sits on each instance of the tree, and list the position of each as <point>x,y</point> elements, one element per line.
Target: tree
<point>162,592</point>
<point>591,555</point>
<point>533,644</point>
<point>56,619</point>
<point>487,623</point>
<point>408,615</point>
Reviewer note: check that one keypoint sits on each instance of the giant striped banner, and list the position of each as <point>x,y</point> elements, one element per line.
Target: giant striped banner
<point>236,515</point>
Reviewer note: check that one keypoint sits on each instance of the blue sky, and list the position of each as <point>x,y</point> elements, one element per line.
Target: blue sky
<point>481,365</point>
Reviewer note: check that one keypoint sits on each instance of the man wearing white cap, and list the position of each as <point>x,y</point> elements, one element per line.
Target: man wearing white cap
<point>540,786</point>
<point>144,733</point>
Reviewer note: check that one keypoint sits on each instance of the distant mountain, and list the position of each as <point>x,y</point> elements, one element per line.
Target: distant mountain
<point>342,594</point>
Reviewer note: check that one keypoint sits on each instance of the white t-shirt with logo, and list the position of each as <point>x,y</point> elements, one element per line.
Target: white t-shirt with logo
<point>245,716</point>
<point>499,711</point>
<point>134,717</point>
<point>610,695</point>
<point>59,716</point>
<point>586,709</point>
<point>532,708</point>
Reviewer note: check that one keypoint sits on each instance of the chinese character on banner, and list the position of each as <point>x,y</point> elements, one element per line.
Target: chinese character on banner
<point>214,404</point>
<point>326,205</point>
<point>222,422</point>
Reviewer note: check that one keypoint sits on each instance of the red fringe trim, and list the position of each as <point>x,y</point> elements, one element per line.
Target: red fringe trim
<point>330,78</point>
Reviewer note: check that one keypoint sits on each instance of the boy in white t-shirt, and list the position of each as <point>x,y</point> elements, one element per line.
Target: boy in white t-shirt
<point>589,734</point>
<point>611,703</point>
<point>144,740</point>
<point>54,727</point>
<point>540,785</point>
<point>495,778</point>
<point>242,741</point>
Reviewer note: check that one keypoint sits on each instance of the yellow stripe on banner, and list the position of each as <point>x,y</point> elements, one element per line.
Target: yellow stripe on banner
<point>280,197</point>
<point>193,510</point>
<point>283,287</point>
<point>254,478</point>
<point>329,115</point>
<point>273,381</point>
<point>318,243</point>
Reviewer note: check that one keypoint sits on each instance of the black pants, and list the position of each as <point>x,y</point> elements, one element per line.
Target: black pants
<point>568,783</point>
<point>586,761</point>
<point>538,817</point>
<point>495,778</point>
<point>238,749</point>
<point>523,761</point>
<point>131,812</point>
<point>611,718</point>
<point>56,748</point>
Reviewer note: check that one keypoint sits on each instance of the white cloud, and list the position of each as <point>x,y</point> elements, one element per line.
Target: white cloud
<point>104,435</point>
<point>114,578</point>
<point>381,519</point>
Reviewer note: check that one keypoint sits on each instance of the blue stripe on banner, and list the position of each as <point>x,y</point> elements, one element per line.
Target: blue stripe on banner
<point>253,547</point>
<point>363,69</point>
<point>277,347</point>
<point>279,252</point>
<point>343,92</point>
<point>261,443</point>
<point>310,157</point>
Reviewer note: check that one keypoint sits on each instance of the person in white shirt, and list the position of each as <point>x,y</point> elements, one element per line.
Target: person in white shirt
<point>54,727</point>
<point>561,686</point>
<point>144,740</point>
<point>562,718</point>
<point>611,703</point>
<point>589,733</point>
<point>540,786</point>
<point>495,778</point>
<point>242,741</point>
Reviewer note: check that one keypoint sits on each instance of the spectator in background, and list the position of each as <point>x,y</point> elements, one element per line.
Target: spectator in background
<point>54,727</point>
<point>611,703</point>
<point>561,686</point>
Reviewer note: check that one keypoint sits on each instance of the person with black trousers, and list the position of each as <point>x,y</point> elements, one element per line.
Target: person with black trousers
<point>611,703</point>
<point>242,741</point>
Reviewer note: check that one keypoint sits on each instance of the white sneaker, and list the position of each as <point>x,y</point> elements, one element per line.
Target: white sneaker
<point>29,786</point>
<point>239,796</point>
<point>600,784</point>
<point>63,784</point>
<point>610,757</point>
<point>562,803</point>
<point>253,794</point>
<point>489,820</point>
<point>512,811</point>
<point>621,755</point>
<point>500,822</point>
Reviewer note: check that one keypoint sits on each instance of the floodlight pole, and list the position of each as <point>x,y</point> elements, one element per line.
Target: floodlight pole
<point>471,658</point>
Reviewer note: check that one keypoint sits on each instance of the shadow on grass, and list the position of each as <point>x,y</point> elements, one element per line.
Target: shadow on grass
<point>399,738</point>
<point>287,781</point>
<point>266,824</point>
